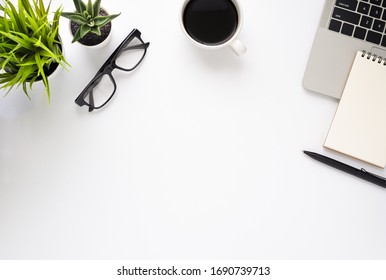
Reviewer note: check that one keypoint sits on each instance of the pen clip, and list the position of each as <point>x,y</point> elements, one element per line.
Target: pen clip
<point>372,174</point>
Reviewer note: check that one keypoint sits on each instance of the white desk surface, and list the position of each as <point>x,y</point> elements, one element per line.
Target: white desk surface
<point>198,156</point>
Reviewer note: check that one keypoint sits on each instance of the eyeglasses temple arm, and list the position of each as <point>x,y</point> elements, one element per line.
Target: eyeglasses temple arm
<point>136,47</point>
<point>91,101</point>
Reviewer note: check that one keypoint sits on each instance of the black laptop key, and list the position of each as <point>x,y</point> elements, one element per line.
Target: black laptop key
<point>373,37</point>
<point>335,25</point>
<point>347,4</point>
<point>347,29</point>
<point>383,43</point>
<point>360,33</point>
<point>376,11</point>
<point>363,8</point>
<point>379,26</point>
<point>376,2</point>
<point>345,15</point>
<point>366,22</point>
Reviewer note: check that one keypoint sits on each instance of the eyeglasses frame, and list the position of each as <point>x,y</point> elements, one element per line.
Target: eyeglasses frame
<point>108,67</point>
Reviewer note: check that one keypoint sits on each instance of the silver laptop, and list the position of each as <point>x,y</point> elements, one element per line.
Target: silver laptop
<point>346,26</point>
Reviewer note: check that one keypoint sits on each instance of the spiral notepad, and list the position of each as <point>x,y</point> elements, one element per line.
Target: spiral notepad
<point>359,125</point>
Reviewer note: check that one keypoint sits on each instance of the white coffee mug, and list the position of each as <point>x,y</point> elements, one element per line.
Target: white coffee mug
<point>231,41</point>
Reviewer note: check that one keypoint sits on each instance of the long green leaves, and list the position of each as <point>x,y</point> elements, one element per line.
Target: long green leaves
<point>29,44</point>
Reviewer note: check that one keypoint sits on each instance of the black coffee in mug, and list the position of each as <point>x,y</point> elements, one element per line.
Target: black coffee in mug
<point>210,22</point>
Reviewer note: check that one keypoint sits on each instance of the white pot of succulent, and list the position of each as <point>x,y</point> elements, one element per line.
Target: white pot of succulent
<point>90,24</point>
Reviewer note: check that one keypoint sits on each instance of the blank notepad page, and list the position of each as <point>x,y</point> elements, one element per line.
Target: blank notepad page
<point>359,125</point>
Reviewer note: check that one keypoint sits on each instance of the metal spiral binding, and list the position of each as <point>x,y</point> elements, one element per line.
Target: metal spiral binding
<point>374,57</point>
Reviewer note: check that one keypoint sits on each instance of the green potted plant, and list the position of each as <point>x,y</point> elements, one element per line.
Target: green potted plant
<point>90,24</point>
<point>30,46</point>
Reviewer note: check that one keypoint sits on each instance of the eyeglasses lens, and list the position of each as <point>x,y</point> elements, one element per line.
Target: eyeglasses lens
<point>131,55</point>
<point>100,92</point>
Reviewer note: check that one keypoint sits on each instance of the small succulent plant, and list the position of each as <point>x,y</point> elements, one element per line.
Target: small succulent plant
<point>88,17</point>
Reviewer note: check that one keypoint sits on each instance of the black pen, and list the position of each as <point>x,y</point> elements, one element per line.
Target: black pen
<point>361,173</point>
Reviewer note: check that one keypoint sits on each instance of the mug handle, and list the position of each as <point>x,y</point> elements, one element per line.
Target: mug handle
<point>238,47</point>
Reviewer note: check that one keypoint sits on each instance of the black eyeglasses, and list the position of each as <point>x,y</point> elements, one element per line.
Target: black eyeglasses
<point>126,57</point>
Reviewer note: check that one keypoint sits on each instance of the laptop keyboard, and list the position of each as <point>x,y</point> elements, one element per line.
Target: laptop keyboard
<point>365,20</point>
